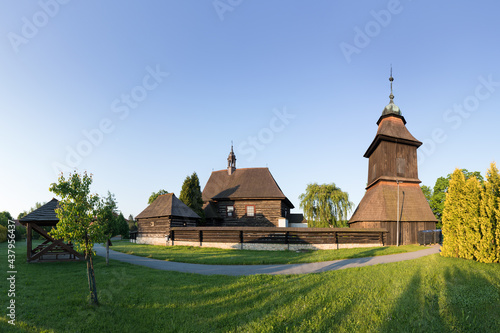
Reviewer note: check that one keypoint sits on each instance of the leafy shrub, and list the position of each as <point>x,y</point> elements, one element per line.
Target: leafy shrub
<point>3,234</point>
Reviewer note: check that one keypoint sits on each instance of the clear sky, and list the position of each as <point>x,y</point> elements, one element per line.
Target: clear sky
<point>143,93</point>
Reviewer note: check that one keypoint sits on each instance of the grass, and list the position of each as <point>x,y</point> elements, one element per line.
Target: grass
<point>214,256</point>
<point>429,294</point>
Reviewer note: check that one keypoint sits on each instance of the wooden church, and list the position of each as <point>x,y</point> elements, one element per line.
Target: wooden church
<point>393,198</point>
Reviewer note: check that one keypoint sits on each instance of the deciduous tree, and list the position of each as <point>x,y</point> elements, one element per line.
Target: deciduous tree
<point>154,195</point>
<point>325,205</point>
<point>4,218</point>
<point>108,218</point>
<point>427,192</point>
<point>77,212</point>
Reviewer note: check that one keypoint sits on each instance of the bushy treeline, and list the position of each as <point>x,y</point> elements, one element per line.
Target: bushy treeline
<point>471,217</point>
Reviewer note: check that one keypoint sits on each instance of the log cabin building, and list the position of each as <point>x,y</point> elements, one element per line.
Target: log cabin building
<point>393,193</point>
<point>247,197</point>
<point>167,211</point>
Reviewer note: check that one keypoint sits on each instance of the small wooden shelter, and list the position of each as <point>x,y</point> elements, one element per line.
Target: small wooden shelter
<point>167,211</point>
<point>393,198</point>
<point>51,249</point>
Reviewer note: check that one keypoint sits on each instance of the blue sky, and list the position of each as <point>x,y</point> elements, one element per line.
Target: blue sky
<point>142,94</point>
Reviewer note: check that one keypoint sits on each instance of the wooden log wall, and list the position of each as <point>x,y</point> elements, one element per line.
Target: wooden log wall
<point>279,235</point>
<point>408,231</point>
<point>267,213</point>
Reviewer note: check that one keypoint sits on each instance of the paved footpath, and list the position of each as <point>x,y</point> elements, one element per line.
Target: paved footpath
<point>315,267</point>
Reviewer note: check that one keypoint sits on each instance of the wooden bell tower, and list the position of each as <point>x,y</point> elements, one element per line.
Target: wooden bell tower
<point>393,198</point>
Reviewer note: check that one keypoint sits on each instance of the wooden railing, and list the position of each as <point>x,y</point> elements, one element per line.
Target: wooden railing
<point>270,235</point>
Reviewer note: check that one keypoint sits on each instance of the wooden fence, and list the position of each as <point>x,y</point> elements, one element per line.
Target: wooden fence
<point>270,235</point>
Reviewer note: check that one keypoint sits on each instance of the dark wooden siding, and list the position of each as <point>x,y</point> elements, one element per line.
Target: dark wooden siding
<point>161,225</point>
<point>280,235</point>
<point>267,213</point>
<point>408,230</point>
<point>392,159</point>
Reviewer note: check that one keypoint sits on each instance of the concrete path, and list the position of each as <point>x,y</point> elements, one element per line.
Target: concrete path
<point>316,267</point>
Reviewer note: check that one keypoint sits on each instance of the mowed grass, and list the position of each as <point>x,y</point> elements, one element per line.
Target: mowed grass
<point>214,256</point>
<point>430,294</point>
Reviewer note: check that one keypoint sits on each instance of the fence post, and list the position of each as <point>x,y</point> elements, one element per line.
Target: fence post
<point>241,239</point>
<point>173,236</point>
<point>287,242</point>
<point>201,238</point>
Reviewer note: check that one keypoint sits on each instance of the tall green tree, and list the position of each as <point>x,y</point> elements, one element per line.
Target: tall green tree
<point>453,215</point>
<point>471,235</point>
<point>109,219</point>
<point>427,192</point>
<point>325,205</point>
<point>155,195</point>
<point>77,212</point>
<point>439,193</point>
<point>470,216</point>
<point>122,225</point>
<point>489,246</point>
<point>132,224</point>
<point>191,194</point>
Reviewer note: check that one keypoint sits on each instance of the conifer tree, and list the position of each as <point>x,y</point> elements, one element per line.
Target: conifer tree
<point>471,236</point>
<point>489,246</point>
<point>453,215</point>
<point>191,194</point>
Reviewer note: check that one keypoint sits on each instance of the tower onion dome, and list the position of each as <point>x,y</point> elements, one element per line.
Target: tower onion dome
<point>391,108</point>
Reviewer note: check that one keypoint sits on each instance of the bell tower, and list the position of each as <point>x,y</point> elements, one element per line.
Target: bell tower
<point>231,161</point>
<point>393,198</point>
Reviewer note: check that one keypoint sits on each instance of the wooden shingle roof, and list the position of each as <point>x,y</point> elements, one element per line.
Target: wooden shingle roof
<point>392,128</point>
<point>167,205</point>
<point>43,215</point>
<point>249,183</point>
<point>380,204</point>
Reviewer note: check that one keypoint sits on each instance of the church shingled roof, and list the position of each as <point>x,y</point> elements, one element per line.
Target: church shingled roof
<point>248,183</point>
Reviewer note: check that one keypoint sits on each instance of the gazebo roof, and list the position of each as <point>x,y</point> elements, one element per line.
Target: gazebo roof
<point>45,215</point>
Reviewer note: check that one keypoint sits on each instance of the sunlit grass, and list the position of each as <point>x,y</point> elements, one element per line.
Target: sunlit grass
<point>214,256</point>
<point>430,294</point>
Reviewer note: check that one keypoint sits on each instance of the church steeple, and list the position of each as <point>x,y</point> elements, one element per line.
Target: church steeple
<point>231,161</point>
<point>391,108</point>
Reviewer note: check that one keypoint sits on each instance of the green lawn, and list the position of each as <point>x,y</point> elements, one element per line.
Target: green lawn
<point>214,256</point>
<point>430,294</point>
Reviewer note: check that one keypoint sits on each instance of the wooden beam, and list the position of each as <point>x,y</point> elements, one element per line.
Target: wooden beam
<point>29,242</point>
<point>55,242</point>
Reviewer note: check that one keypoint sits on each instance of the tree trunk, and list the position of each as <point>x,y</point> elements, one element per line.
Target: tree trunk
<point>107,252</point>
<point>91,277</point>
<point>90,274</point>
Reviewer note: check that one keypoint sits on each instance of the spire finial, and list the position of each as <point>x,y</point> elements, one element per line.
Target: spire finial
<point>231,160</point>
<point>391,96</point>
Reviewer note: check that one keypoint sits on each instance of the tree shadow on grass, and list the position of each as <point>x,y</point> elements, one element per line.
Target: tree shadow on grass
<point>472,300</point>
<point>415,310</point>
